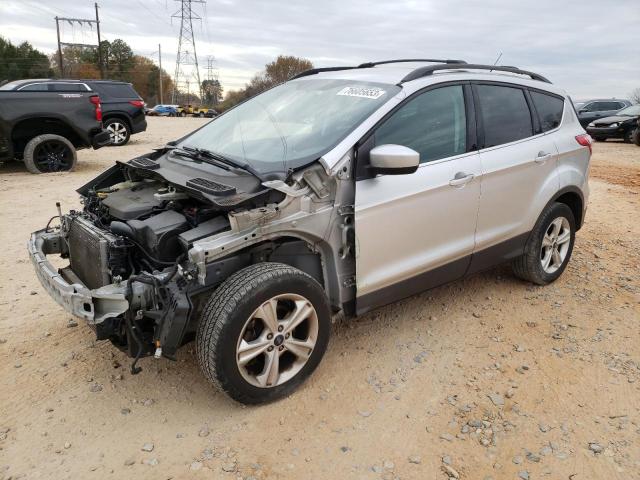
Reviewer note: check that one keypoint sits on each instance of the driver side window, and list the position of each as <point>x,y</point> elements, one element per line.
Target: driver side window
<point>433,124</point>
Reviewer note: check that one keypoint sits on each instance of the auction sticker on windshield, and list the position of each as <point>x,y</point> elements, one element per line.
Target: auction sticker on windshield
<point>363,92</point>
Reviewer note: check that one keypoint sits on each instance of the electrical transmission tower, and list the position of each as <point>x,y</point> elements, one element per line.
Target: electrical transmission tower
<point>187,71</point>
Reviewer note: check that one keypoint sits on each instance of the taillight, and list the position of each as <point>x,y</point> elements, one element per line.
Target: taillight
<point>95,99</point>
<point>585,140</point>
<point>137,103</point>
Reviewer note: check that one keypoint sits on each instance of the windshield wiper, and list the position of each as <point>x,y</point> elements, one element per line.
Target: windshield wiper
<point>199,158</point>
<point>203,152</point>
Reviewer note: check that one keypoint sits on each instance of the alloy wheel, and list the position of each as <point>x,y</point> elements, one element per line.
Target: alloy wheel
<point>53,156</point>
<point>118,132</point>
<point>277,340</point>
<point>555,245</point>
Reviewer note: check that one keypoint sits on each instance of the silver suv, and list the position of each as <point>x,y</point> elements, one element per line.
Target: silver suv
<point>337,192</point>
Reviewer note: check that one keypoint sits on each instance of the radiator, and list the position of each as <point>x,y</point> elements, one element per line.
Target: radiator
<point>89,252</point>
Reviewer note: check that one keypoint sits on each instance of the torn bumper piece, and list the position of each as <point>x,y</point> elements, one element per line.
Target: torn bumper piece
<point>94,306</point>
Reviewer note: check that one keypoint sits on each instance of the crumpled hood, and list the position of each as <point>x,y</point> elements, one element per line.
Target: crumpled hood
<point>613,119</point>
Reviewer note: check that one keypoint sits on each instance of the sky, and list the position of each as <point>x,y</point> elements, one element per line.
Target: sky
<point>591,48</point>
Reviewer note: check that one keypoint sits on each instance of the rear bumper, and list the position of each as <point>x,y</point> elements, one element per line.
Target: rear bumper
<point>138,124</point>
<point>94,306</point>
<point>101,139</point>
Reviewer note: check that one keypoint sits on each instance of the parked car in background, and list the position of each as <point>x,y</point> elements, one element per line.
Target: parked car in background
<point>122,107</point>
<point>621,125</point>
<point>164,111</point>
<point>43,129</point>
<point>341,190</point>
<point>593,109</point>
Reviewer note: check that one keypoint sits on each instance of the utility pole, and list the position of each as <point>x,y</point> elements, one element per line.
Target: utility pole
<point>81,22</point>
<point>59,48</point>
<point>186,60</point>
<point>99,43</point>
<point>160,71</point>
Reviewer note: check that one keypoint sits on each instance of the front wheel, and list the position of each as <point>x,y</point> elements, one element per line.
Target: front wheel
<point>636,136</point>
<point>263,332</point>
<point>549,247</point>
<point>49,153</point>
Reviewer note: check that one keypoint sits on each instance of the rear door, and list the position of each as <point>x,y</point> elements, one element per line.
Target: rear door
<point>518,166</point>
<point>416,231</point>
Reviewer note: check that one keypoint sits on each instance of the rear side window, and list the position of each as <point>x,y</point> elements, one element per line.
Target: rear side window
<point>115,90</point>
<point>549,108</point>
<point>433,124</point>
<point>35,87</point>
<point>505,114</point>
<point>67,87</point>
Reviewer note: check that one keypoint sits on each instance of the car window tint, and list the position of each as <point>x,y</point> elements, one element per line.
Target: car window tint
<point>35,87</point>
<point>433,124</point>
<point>67,87</point>
<point>549,110</point>
<point>505,114</point>
<point>115,90</point>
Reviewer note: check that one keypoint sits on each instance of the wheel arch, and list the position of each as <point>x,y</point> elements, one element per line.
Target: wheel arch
<point>118,115</point>
<point>572,197</point>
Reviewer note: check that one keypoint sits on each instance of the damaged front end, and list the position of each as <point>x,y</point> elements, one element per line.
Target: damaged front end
<point>157,234</point>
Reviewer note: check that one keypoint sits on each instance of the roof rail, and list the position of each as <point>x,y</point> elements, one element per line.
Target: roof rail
<point>408,60</point>
<point>430,69</point>
<point>313,71</point>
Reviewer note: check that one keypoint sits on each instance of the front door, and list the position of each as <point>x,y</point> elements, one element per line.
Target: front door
<point>416,231</point>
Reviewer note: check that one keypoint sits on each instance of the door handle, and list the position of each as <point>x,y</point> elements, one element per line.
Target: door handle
<point>461,179</point>
<point>542,157</point>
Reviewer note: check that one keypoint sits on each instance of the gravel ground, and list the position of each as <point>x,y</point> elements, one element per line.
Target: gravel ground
<point>486,378</point>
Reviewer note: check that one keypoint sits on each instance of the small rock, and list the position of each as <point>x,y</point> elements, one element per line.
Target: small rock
<point>523,474</point>
<point>148,402</point>
<point>475,423</point>
<point>67,445</point>
<point>596,448</point>
<point>152,461</point>
<point>147,447</point>
<point>517,459</point>
<point>72,323</point>
<point>389,465</point>
<point>195,465</point>
<point>96,387</point>
<point>207,453</point>
<point>450,472</point>
<point>476,315</point>
<point>33,292</point>
<point>17,365</point>
<point>377,469</point>
<point>544,428</point>
<point>497,399</point>
<point>129,461</point>
<point>446,460</point>
<point>446,436</point>
<point>364,413</point>
<point>204,431</point>
<point>510,393</point>
<point>546,450</point>
<point>229,467</point>
<point>125,411</point>
<point>344,449</point>
<point>532,457</point>
<point>415,459</point>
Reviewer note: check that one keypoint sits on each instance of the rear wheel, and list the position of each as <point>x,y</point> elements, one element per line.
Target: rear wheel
<point>119,131</point>
<point>549,247</point>
<point>49,153</point>
<point>263,332</point>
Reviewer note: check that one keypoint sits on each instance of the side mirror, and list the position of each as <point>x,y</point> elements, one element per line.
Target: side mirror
<point>584,110</point>
<point>393,159</point>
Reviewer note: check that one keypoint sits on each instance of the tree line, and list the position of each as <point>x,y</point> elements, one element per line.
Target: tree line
<point>120,63</point>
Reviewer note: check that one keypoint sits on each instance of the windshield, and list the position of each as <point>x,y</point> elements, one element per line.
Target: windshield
<point>631,111</point>
<point>292,124</point>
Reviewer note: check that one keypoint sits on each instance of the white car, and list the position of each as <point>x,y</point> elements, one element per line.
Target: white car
<point>339,191</point>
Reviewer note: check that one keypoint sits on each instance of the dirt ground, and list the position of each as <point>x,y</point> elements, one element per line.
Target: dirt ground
<point>486,378</point>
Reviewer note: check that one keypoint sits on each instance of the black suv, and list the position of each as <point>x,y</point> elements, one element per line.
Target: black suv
<point>594,109</point>
<point>122,107</point>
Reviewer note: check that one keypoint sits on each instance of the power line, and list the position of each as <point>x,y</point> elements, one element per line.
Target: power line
<point>187,69</point>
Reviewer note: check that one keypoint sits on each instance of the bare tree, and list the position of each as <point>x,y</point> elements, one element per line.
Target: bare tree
<point>635,95</point>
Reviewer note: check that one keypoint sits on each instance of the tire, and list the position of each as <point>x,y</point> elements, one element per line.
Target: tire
<point>529,266</point>
<point>50,153</point>
<point>183,114</point>
<point>232,316</point>
<point>201,114</point>
<point>629,136</point>
<point>636,136</point>
<point>119,130</point>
